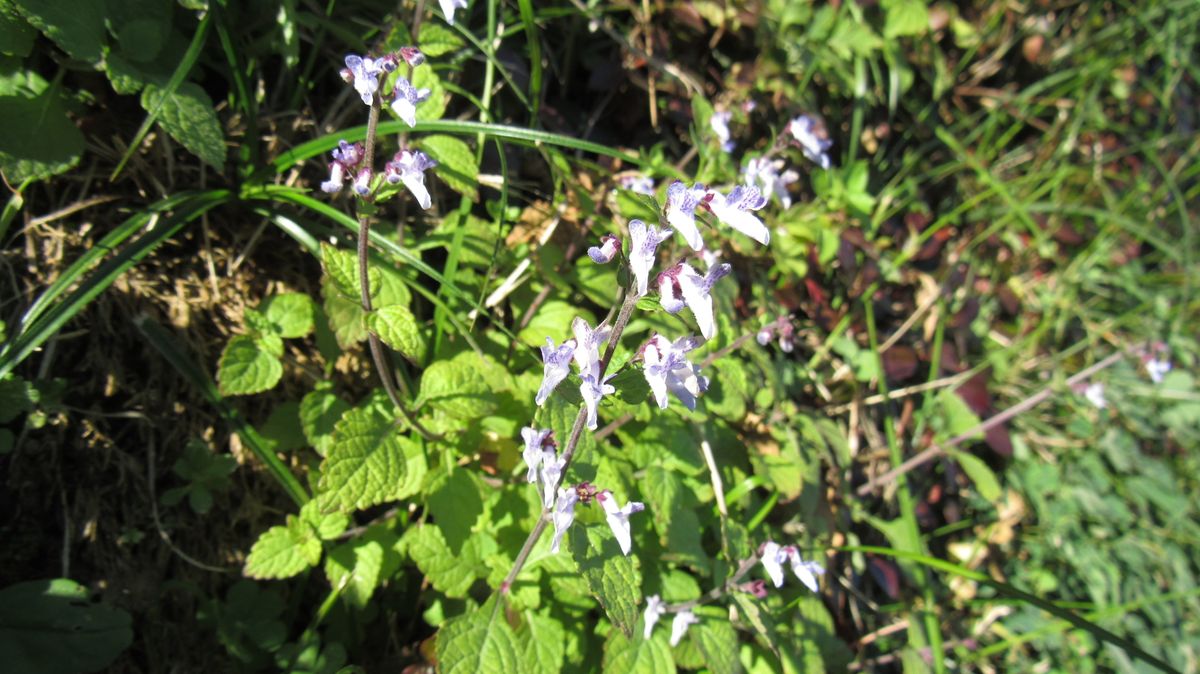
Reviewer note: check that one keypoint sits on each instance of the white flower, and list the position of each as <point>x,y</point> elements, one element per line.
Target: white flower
<point>587,346</point>
<point>763,173</point>
<point>734,210</point>
<point>618,518</point>
<point>807,572</point>
<point>337,176</point>
<point>534,441</point>
<point>680,625</point>
<point>773,556</point>
<point>812,137</point>
<point>682,286</point>
<point>362,182</point>
<point>654,611</point>
<point>405,100</point>
<point>668,369</point>
<point>563,515</point>
<point>409,167</point>
<point>1095,395</point>
<point>557,360</point>
<point>719,122</point>
<point>608,249</point>
<point>552,468</point>
<point>644,243</point>
<point>448,7</point>
<point>1157,369</point>
<point>592,391</point>
<point>635,182</point>
<point>364,74</point>
<point>681,211</point>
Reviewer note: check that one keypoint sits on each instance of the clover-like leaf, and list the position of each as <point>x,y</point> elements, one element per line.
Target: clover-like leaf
<point>248,366</point>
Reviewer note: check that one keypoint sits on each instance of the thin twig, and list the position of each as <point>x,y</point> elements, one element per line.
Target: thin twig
<point>166,538</point>
<point>934,451</point>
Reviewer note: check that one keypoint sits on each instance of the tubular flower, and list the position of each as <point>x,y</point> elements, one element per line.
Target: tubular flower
<point>813,138</point>
<point>534,442</point>
<point>681,211</point>
<point>609,248</point>
<point>719,123</point>
<point>644,242</point>
<point>592,391</point>
<point>557,365</point>
<point>734,210</point>
<point>618,518</point>
<point>654,611</point>
<point>680,624</point>
<point>773,557</point>
<point>682,286</point>
<point>449,6</point>
<point>409,167</point>
<point>405,99</point>
<point>587,346</point>
<point>363,73</point>
<point>764,173</point>
<point>667,369</point>
<point>563,515</point>
<point>345,159</point>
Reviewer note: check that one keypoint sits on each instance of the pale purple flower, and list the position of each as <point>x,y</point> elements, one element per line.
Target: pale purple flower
<point>449,6</point>
<point>587,346</point>
<point>668,369</point>
<point>680,624</point>
<point>346,158</point>
<point>618,518</point>
<point>763,173</point>
<point>608,249</point>
<point>764,336</point>
<point>1095,395</point>
<point>682,286</point>
<point>812,137</point>
<point>533,452</point>
<point>405,99</point>
<point>563,515</point>
<point>654,611</point>
<point>644,242</point>
<point>557,365</point>
<point>362,182</point>
<point>719,123</point>
<point>337,176</point>
<point>409,167</point>
<point>364,74</point>
<point>592,391</point>
<point>806,572</point>
<point>774,555</point>
<point>734,210</point>
<point>1157,369</point>
<point>636,182</point>
<point>552,468</point>
<point>412,56</point>
<point>772,558</point>
<point>681,211</point>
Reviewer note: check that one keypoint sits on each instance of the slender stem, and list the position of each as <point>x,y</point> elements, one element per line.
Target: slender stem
<point>378,354</point>
<point>718,591</point>
<point>627,307</point>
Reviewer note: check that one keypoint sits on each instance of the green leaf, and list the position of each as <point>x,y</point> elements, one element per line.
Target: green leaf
<point>450,573</point>
<point>437,40</point>
<point>458,387</point>
<point>188,115</point>
<point>292,314</point>
<point>17,397</point>
<point>282,552</point>
<point>77,27</point>
<point>553,319</point>
<point>319,413</point>
<point>434,108</point>
<point>905,17</point>
<point>479,642</point>
<point>16,36</point>
<point>611,576</point>
<point>140,26</point>
<point>717,641</point>
<point>38,140</point>
<point>397,327</point>
<point>456,504</point>
<point>626,655</point>
<point>282,429</point>
<point>247,367</point>
<point>544,639</point>
<point>51,627</point>
<point>370,462</point>
<point>342,268</point>
<point>985,480</point>
<point>361,563</point>
<point>955,417</point>
<point>456,163</point>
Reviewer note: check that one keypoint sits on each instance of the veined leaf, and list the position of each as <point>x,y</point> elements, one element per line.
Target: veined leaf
<point>480,642</point>
<point>610,575</point>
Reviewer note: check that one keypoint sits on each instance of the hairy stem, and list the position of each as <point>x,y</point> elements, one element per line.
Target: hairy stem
<point>627,307</point>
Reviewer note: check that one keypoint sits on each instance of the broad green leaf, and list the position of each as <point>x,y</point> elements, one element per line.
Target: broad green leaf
<point>370,461</point>
<point>450,573</point>
<point>346,317</point>
<point>456,504</point>
<point>397,327</point>
<point>284,551</point>
<point>956,416</point>
<point>361,563</point>
<point>437,40</point>
<point>434,108</point>
<point>16,35</point>
<point>985,480</point>
<point>342,268</point>
<point>635,655</point>
<point>479,642</point>
<point>905,17</point>
<point>760,620</point>
<point>662,489</point>
<point>17,397</point>
<point>247,367</point>
<point>543,637</point>
<point>319,413</point>
<point>291,313</point>
<point>51,627</point>
<point>717,641</point>
<point>610,575</point>
<point>188,115</point>
<point>38,140</point>
<point>282,429</point>
<point>458,387</point>
<point>553,319</point>
<point>140,26</point>
<point>77,27</point>
<point>456,162</point>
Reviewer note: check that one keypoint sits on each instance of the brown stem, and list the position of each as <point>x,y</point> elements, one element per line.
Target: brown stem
<point>627,307</point>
